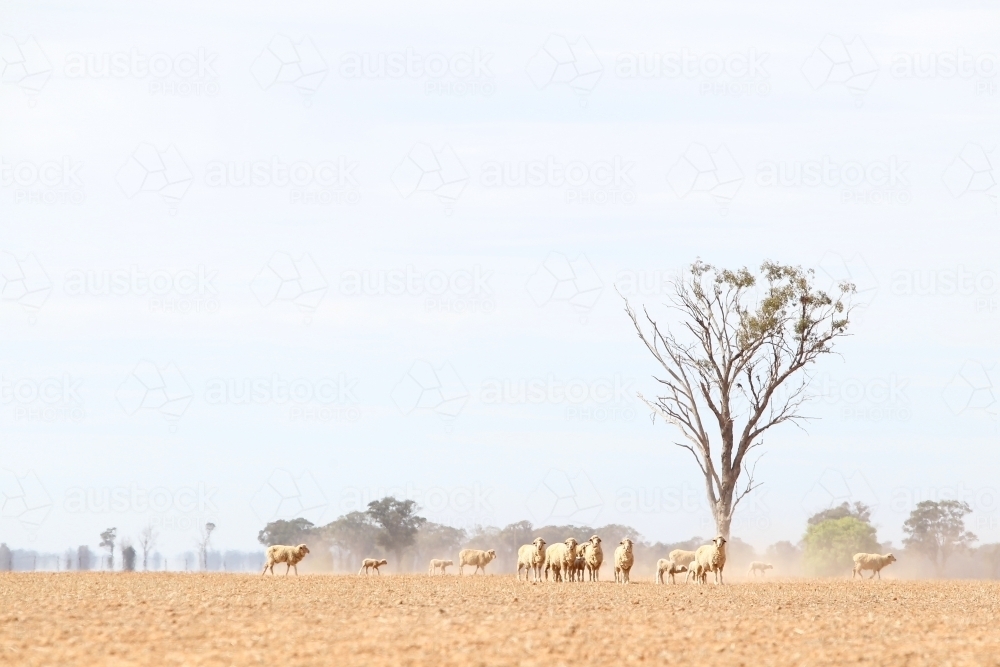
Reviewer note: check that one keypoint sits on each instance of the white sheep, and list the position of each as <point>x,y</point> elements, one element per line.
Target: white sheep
<point>758,566</point>
<point>372,563</point>
<point>438,564</point>
<point>873,562</point>
<point>531,557</point>
<point>290,556</point>
<point>670,568</point>
<point>594,556</point>
<point>623,560</point>
<point>711,558</point>
<point>685,558</point>
<point>475,557</point>
<point>560,558</point>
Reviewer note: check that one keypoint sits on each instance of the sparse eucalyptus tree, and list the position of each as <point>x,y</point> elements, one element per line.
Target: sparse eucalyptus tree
<point>734,361</point>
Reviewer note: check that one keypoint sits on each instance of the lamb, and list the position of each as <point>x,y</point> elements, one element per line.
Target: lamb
<point>531,557</point>
<point>372,563</point>
<point>437,564</point>
<point>873,562</point>
<point>711,558</point>
<point>560,559</point>
<point>623,560</point>
<point>594,556</point>
<point>757,566</point>
<point>290,556</point>
<point>475,557</point>
<point>682,557</point>
<point>669,567</point>
<point>579,565</point>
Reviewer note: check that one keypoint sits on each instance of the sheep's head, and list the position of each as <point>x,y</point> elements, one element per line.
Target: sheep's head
<point>570,542</point>
<point>595,540</point>
<point>491,554</point>
<point>383,562</point>
<point>539,543</point>
<point>890,558</point>
<point>302,549</point>
<point>449,562</point>
<point>768,566</point>
<point>719,541</point>
<point>627,543</point>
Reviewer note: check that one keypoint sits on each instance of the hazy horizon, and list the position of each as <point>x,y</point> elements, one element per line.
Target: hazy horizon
<point>266,262</point>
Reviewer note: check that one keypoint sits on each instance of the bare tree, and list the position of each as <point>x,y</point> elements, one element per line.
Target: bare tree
<point>737,352</point>
<point>203,542</point>
<point>147,542</point>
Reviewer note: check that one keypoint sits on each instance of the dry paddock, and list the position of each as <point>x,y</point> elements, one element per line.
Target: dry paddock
<point>217,619</point>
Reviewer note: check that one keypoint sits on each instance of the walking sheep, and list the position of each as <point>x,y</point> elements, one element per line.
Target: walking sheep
<point>670,568</point>
<point>560,559</point>
<point>475,557</point>
<point>438,564</point>
<point>531,557</point>
<point>594,556</point>
<point>873,562</point>
<point>290,556</point>
<point>623,561</point>
<point>711,558</point>
<point>757,566</point>
<point>372,563</point>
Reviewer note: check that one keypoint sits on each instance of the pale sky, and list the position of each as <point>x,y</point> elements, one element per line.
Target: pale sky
<point>262,261</point>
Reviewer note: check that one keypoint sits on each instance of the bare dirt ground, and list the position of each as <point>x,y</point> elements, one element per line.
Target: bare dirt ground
<point>218,619</point>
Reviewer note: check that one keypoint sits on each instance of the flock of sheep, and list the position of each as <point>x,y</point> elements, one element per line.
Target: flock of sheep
<point>573,561</point>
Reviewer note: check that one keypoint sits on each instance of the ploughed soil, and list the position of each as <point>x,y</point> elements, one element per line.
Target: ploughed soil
<point>218,619</point>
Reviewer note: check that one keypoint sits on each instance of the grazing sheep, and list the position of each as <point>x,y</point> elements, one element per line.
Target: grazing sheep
<point>757,566</point>
<point>531,557</point>
<point>685,558</point>
<point>711,558</point>
<point>438,564</point>
<point>873,562</point>
<point>290,556</point>
<point>623,560</point>
<point>475,557</point>
<point>373,563</point>
<point>669,567</point>
<point>594,556</point>
<point>560,559</point>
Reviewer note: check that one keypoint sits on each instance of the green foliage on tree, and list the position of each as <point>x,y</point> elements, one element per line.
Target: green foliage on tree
<point>858,510</point>
<point>354,533</point>
<point>829,546</point>
<point>937,530</point>
<point>399,523</point>
<point>291,532</point>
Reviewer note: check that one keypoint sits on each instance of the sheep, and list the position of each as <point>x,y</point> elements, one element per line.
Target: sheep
<point>623,560</point>
<point>757,566</point>
<point>685,558</point>
<point>594,556</point>
<point>531,557</point>
<point>669,567</point>
<point>290,556</point>
<point>372,563</point>
<point>475,557</point>
<point>579,565</point>
<point>560,559</point>
<point>711,558</point>
<point>437,564</point>
<point>873,562</point>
